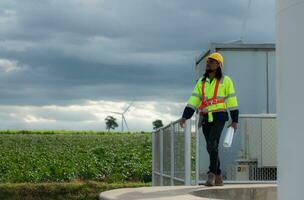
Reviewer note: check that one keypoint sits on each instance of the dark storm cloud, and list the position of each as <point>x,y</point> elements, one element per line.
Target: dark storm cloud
<point>71,51</point>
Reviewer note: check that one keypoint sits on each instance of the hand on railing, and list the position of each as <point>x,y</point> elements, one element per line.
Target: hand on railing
<point>182,122</point>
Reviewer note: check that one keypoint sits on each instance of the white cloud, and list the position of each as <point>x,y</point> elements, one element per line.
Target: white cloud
<point>8,66</point>
<point>35,119</point>
<point>88,116</point>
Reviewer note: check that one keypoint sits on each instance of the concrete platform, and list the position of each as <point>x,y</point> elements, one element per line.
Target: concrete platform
<point>231,191</point>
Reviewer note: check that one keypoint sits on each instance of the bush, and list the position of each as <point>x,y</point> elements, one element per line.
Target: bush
<point>88,190</point>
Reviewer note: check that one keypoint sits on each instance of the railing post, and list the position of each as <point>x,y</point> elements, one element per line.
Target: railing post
<point>172,152</point>
<point>153,159</point>
<point>197,152</point>
<point>187,155</point>
<point>161,138</point>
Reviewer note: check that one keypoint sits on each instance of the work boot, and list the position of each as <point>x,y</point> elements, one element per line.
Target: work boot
<point>211,179</point>
<point>219,180</point>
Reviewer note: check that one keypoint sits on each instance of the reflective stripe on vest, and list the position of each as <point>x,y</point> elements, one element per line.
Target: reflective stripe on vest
<point>211,101</point>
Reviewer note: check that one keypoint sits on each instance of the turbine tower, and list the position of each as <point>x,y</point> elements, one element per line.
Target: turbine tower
<point>123,119</point>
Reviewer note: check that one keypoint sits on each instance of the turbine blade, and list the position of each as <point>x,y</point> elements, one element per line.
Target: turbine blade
<point>128,107</point>
<point>116,113</point>
<point>122,127</point>
<point>126,122</point>
<point>111,112</point>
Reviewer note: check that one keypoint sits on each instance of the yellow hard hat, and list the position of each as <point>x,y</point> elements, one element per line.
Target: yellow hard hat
<point>218,57</point>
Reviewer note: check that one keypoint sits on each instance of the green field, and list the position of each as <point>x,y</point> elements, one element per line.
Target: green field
<point>64,156</point>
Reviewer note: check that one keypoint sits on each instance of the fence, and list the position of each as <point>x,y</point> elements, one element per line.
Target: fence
<point>180,158</point>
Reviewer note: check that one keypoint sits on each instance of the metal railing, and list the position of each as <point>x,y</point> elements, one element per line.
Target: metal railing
<point>171,154</point>
<point>179,155</point>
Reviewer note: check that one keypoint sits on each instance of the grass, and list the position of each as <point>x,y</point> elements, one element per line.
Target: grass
<point>80,190</point>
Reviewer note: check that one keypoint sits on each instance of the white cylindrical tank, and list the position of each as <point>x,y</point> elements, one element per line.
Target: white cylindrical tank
<point>290,97</point>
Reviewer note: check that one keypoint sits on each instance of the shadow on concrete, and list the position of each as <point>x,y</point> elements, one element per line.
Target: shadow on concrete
<point>175,191</point>
<point>258,193</point>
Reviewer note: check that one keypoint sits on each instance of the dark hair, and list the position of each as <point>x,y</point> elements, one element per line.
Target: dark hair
<point>218,74</point>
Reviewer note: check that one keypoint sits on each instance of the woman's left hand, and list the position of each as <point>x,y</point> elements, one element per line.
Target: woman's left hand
<point>233,125</point>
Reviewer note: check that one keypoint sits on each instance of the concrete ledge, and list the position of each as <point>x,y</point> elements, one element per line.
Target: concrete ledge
<point>240,192</point>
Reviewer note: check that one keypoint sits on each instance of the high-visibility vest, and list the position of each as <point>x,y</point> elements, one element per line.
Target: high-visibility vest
<point>210,101</point>
<point>214,96</point>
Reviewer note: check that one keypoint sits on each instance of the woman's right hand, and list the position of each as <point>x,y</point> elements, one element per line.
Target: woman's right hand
<point>182,122</point>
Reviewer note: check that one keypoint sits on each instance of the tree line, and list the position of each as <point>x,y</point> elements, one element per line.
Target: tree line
<point>111,123</point>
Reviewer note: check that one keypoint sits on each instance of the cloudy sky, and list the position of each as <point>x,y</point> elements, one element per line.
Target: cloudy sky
<point>65,64</point>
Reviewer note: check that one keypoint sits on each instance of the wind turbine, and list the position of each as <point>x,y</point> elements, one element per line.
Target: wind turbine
<point>123,119</point>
